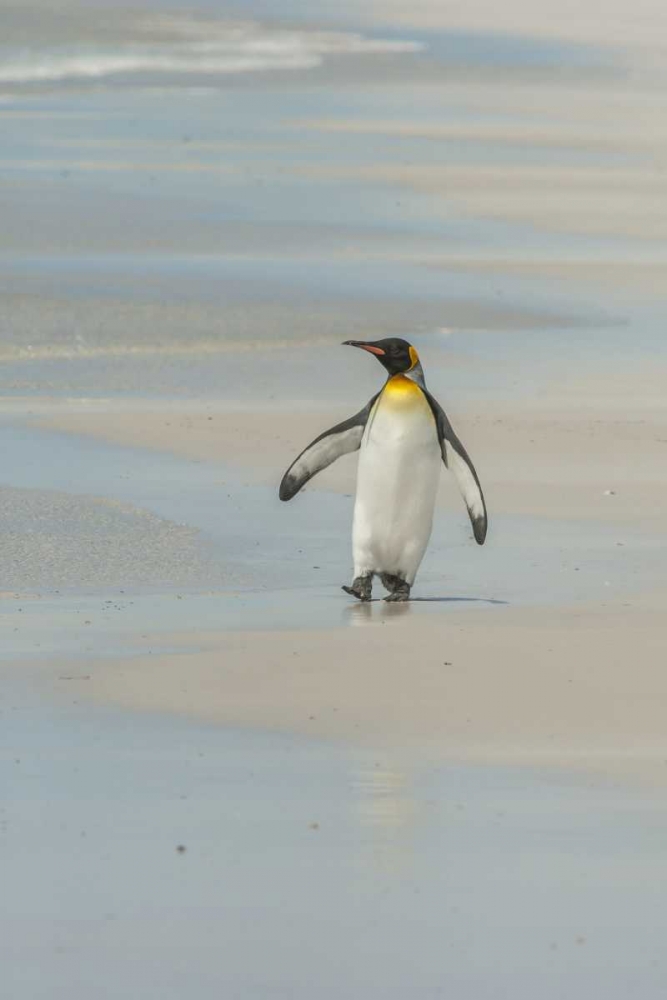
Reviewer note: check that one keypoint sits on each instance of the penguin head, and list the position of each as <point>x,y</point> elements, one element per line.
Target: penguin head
<point>396,355</point>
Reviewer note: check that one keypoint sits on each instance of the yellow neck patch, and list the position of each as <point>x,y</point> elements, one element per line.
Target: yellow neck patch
<point>400,388</point>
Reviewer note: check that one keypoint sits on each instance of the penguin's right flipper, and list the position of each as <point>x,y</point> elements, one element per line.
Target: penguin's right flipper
<point>325,449</point>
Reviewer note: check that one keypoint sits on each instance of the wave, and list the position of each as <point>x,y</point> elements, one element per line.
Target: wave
<point>203,49</point>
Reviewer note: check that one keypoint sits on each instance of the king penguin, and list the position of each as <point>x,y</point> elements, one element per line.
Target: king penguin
<point>402,435</point>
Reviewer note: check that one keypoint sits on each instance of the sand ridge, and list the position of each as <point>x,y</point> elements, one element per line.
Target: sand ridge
<point>562,687</point>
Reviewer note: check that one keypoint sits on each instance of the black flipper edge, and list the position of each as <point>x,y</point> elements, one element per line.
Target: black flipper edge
<point>325,449</point>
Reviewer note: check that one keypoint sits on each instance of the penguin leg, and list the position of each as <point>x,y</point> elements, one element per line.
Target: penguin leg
<point>361,587</point>
<point>400,589</point>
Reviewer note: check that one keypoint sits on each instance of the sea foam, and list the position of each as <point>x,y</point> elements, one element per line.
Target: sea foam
<point>191,47</point>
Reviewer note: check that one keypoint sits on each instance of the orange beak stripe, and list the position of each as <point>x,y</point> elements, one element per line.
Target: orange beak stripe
<point>370,348</point>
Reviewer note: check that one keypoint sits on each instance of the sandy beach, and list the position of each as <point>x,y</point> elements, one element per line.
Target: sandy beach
<point>223,777</point>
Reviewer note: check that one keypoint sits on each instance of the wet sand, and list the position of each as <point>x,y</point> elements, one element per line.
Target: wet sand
<point>222,860</point>
<point>562,688</point>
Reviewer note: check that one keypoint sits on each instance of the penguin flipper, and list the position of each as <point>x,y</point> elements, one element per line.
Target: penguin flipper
<point>458,462</point>
<point>325,449</point>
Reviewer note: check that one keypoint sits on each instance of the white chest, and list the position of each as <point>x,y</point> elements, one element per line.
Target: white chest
<point>399,468</point>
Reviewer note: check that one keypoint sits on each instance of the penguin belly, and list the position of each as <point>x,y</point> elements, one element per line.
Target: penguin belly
<point>397,482</point>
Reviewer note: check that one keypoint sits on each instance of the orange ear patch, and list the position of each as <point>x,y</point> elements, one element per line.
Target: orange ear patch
<point>414,357</point>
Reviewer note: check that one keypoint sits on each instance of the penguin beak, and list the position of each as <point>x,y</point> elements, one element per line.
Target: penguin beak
<point>364,345</point>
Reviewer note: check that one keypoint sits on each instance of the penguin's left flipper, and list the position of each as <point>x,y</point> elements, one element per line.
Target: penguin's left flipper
<point>325,449</point>
<point>458,462</point>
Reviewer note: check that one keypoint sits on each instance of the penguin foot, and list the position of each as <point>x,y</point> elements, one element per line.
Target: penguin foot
<point>361,588</point>
<point>400,590</point>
